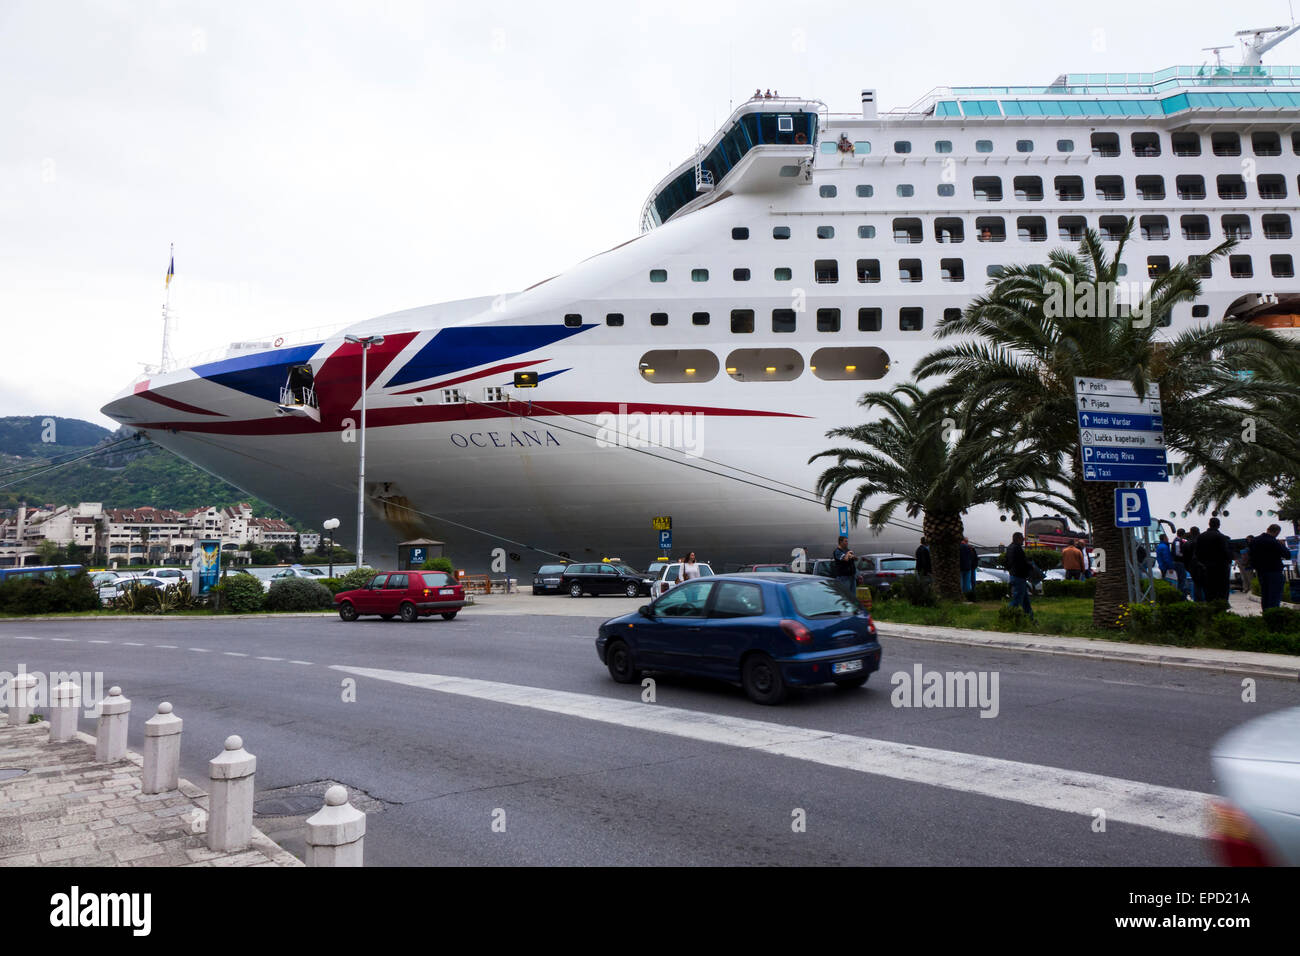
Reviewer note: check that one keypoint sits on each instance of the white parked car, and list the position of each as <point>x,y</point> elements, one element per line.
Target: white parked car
<point>1257,821</point>
<point>668,574</point>
<point>170,575</point>
<point>295,571</point>
<point>114,589</point>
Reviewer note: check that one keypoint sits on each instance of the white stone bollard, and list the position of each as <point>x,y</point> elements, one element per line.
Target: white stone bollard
<point>230,807</point>
<point>64,704</point>
<point>336,834</point>
<point>162,751</point>
<point>21,688</point>
<point>110,735</point>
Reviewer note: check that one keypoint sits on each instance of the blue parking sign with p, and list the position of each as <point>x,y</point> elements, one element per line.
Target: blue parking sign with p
<point>417,556</point>
<point>665,540</point>
<point>1131,508</point>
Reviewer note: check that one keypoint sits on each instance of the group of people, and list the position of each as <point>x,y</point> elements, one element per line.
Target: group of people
<point>768,95</point>
<point>1201,562</point>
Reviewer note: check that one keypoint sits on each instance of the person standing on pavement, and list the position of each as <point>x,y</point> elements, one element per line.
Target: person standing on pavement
<point>1195,569</point>
<point>970,560</point>
<point>1241,553</point>
<point>690,567</point>
<point>844,565</point>
<point>923,559</point>
<point>1164,557</point>
<point>1177,547</point>
<point>1072,561</point>
<point>1267,556</point>
<point>1019,569</point>
<point>1215,555</point>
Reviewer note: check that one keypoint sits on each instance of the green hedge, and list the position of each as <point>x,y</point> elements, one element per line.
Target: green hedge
<point>241,594</point>
<point>1045,558</point>
<point>356,578</point>
<point>439,564</point>
<point>1083,589</point>
<point>992,591</point>
<point>49,595</point>
<point>299,594</point>
<point>1192,623</point>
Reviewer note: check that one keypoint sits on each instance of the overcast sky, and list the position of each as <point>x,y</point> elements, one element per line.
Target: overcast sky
<point>320,163</point>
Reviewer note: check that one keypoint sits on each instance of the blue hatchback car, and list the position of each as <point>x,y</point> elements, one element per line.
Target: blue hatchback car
<point>767,631</point>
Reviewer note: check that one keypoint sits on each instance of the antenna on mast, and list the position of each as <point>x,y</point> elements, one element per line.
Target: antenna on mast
<point>1254,49</point>
<point>1218,53</point>
<point>166,360</point>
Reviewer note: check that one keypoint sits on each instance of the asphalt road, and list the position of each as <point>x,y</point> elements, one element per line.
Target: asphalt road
<point>451,768</point>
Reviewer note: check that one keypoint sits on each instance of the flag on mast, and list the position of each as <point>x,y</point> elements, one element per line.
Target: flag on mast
<point>171,271</point>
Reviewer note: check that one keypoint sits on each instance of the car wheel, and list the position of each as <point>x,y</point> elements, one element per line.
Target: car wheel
<point>448,615</point>
<point>618,658</point>
<point>632,590</point>
<point>409,614</point>
<point>857,680</point>
<point>762,680</point>
<point>387,617</point>
<point>575,590</point>
<point>347,611</point>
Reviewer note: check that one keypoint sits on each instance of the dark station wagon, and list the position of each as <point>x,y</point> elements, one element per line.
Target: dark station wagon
<point>768,632</point>
<point>409,595</point>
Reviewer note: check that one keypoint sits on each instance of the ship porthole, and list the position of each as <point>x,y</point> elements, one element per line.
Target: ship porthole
<point>419,399</point>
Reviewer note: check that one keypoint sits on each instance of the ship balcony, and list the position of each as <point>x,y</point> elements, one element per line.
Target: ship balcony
<point>298,401</point>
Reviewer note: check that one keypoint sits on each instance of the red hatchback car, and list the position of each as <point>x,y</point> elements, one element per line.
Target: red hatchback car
<point>406,594</point>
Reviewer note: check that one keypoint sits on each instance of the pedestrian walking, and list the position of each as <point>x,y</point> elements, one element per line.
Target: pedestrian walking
<point>1241,554</point>
<point>923,558</point>
<point>1215,555</point>
<point>1072,560</point>
<point>1267,556</point>
<point>1020,569</point>
<point>969,560</point>
<point>1164,557</point>
<point>690,567</point>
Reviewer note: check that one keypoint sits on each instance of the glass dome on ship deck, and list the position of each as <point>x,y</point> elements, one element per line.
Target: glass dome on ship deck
<point>750,130</point>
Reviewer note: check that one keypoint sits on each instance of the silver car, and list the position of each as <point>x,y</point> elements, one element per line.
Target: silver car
<point>1257,821</point>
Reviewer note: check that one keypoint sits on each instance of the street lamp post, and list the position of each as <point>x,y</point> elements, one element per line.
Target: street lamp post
<point>329,525</point>
<point>365,341</point>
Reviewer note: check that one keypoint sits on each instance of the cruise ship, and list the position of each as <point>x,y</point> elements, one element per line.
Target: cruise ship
<point>796,260</point>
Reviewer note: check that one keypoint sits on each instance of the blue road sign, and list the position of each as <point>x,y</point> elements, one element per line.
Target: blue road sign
<point>1103,472</point>
<point>844,520</point>
<point>1131,508</point>
<point>417,556</point>
<point>1122,421</point>
<point>1123,456</point>
<point>665,540</point>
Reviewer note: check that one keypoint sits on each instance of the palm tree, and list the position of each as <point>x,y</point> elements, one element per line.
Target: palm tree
<point>1041,326</point>
<point>905,460</point>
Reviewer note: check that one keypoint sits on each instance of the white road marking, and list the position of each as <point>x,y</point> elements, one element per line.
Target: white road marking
<point>132,644</point>
<point>200,650</point>
<point>230,653</point>
<point>1181,812</point>
<point>169,647</point>
<point>270,658</point>
<point>99,642</point>
<point>18,638</point>
<point>308,663</point>
<point>65,640</point>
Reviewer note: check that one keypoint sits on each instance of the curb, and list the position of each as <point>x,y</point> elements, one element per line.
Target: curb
<point>1253,663</point>
<point>172,617</point>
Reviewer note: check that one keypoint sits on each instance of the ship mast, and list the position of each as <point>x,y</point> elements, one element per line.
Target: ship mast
<point>166,360</point>
<point>1256,48</point>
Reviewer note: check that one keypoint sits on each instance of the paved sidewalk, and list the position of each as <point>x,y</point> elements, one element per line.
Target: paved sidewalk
<point>68,810</point>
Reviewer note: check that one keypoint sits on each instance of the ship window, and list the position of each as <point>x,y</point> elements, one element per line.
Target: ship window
<point>669,366</point>
<point>783,320</point>
<point>869,320</point>
<point>1195,227</point>
<point>1190,187</point>
<point>1236,227</point>
<point>1110,188</point>
<point>826,270</point>
<point>907,230</point>
<point>452,396</point>
<point>943,146</point>
<point>699,275</point>
<point>740,232</point>
<point>1157,266</point>
<point>1111,227</point>
<point>1282,266</point>
<point>1122,270</point>
<point>866,232</point>
<point>1154,227</point>
<point>951,315</point>
<point>828,320</point>
<point>658,275</point>
<point>1266,144</point>
<point>699,318</point>
<point>1200,311</point>
<point>829,146</point>
<point>1200,266</point>
<point>952,270</point>
<point>1145,144</point>
<point>1071,228</point>
<point>949,230</point>
<point>1150,187</point>
<point>573,321</point>
<point>906,190</point>
<point>868,270</point>
<point>782,274</point>
<point>860,363</point>
<point>1028,188</point>
<point>825,232</point>
<point>1240,267</point>
<point>861,146</point>
<point>658,318</point>
<point>983,145</point>
<point>987,189</point>
<point>1225,144</point>
<point>865,191</point>
<point>780,232</point>
<point>785,124</point>
<point>1065,146</point>
<point>1186,144</point>
<point>1105,144</point>
<point>1031,229</point>
<point>911,319</point>
<point>827,192</point>
<point>902,146</point>
<point>1069,188</point>
<point>1024,146</point>
<point>740,275</point>
<point>1276,226</point>
<point>947,189</point>
<point>614,318</point>
<point>765,365</point>
<point>1271,187</point>
<point>909,270</point>
<point>742,320</point>
<point>1231,186</point>
<point>993,271</point>
<point>789,172</point>
<point>990,229</point>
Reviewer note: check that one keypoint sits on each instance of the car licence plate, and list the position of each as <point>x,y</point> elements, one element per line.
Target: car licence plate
<point>846,667</point>
<point>446,590</point>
